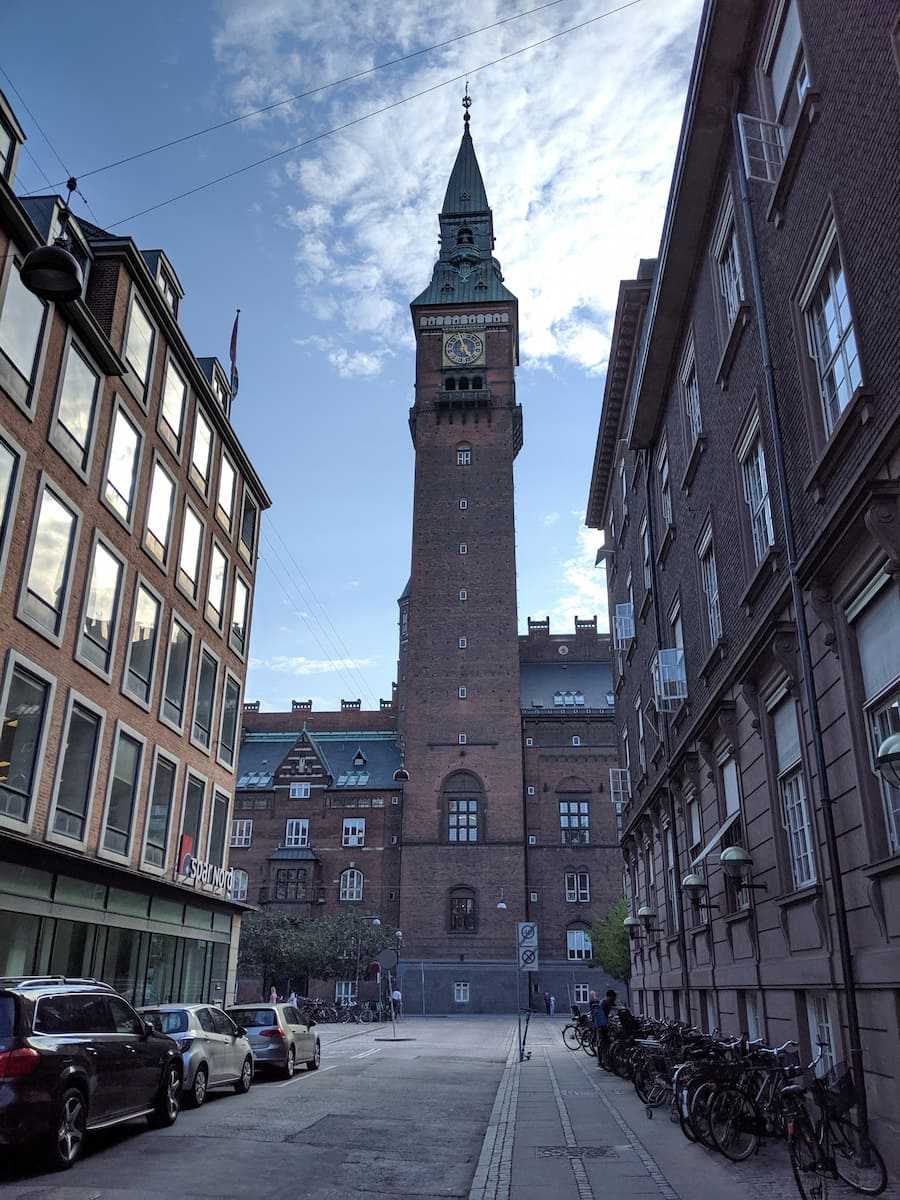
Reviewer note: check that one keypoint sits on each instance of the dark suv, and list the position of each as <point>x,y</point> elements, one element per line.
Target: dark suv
<point>75,1056</point>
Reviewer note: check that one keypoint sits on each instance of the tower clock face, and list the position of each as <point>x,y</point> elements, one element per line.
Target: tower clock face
<point>463,348</point>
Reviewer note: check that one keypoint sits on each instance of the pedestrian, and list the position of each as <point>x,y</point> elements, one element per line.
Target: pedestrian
<point>292,998</point>
<point>273,995</point>
<point>397,1003</point>
<point>600,1017</point>
<point>547,1003</point>
<point>552,1006</point>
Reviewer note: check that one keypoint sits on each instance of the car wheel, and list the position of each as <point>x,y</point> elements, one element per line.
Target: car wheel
<point>169,1100</point>
<point>313,1064</point>
<point>242,1084</point>
<point>67,1132</point>
<point>198,1090</point>
<point>288,1069</point>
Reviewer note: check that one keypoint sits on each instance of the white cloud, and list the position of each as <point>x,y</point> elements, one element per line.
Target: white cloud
<point>583,593</point>
<point>551,519</point>
<point>301,666</point>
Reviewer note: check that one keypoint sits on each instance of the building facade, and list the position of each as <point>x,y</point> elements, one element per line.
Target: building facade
<point>129,516</point>
<point>746,477</point>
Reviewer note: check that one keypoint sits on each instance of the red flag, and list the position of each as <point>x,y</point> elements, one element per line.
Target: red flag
<point>233,354</point>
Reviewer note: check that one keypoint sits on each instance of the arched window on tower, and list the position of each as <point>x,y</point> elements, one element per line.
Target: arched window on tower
<point>464,236</point>
<point>450,384</point>
<point>462,910</point>
<point>463,796</point>
<point>351,885</point>
<point>463,455</point>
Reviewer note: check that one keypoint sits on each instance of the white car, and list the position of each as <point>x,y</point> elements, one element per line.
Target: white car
<point>215,1051</point>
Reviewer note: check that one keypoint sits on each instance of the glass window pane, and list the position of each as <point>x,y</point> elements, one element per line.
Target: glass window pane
<point>101,610</point>
<point>159,512</point>
<point>143,644</point>
<point>76,778</point>
<point>177,672</point>
<point>229,720</point>
<point>201,450</point>
<point>193,816</point>
<point>121,473</point>
<point>206,686</point>
<point>122,794</point>
<point>189,560</point>
<point>248,523</point>
<point>20,740</point>
<point>215,599</point>
<point>21,321</point>
<point>77,403</point>
<point>160,812</point>
<point>173,401</point>
<point>140,341</point>
<point>9,465</point>
<point>218,831</point>
<point>226,492</point>
<point>48,572</point>
<point>239,614</point>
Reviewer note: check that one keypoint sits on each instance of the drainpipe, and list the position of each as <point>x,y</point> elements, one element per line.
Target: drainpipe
<point>834,864</point>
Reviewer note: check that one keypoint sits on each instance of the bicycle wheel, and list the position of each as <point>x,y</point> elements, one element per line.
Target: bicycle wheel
<point>699,1112</point>
<point>856,1158</point>
<point>732,1118</point>
<point>570,1037</point>
<point>683,1108</point>
<point>810,1174</point>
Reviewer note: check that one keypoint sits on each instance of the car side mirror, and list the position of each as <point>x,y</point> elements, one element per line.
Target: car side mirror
<point>147,1028</point>
<point>241,1031</point>
<point>311,1022</point>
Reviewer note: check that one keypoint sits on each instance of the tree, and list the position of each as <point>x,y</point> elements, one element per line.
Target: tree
<point>611,948</point>
<point>266,946</point>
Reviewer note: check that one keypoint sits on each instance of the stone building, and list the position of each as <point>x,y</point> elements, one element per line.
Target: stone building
<point>747,476</point>
<point>129,516</point>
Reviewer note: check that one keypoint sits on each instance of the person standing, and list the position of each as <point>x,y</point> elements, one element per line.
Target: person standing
<point>397,1003</point>
<point>273,995</point>
<point>547,1003</point>
<point>552,1006</point>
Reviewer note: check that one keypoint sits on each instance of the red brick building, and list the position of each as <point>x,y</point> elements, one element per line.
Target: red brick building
<point>747,479</point>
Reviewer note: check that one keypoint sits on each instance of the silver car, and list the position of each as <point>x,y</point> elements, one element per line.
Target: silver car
<point>215,1051</point>
<point>281,1037</point>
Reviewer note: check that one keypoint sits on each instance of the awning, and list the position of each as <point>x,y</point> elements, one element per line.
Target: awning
<point>717,837</point>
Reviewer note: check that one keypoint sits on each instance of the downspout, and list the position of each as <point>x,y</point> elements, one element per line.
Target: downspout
<point>837,883</point>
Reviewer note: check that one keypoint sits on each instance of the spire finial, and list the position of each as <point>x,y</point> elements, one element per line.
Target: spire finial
<point>467,104</point>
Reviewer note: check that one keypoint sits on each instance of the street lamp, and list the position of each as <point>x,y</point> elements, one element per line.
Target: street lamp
<point>53,272</point>
<point>646,916</point>
<point>695,888</point>
<point>737,863</point>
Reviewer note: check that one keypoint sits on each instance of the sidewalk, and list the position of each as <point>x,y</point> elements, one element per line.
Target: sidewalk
<point>563,1129</point>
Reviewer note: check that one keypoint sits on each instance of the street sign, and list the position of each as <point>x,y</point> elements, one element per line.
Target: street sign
<point>527,945</point>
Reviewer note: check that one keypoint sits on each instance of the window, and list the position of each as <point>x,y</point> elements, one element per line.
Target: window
<point>28,700</point>
<point>121,466</point>
<point>690,396</point>
<point>300,791</point>
<point>831,339</point>
<point>241,833</point>
<point>49,568</point>
<point>792,792</point>
<point>529,741</point>
<point>756,493</point>
<point>190,555</point>
<point>462,693</point>
<point>645,555</point>
<point>215,588</point>
<point>290,883</point>
<point>21,326</point>
<point>201,452</point>
<point>101,609</point>
<point>462,738</point>
<point>351,885</point>
<point>730,286</point>
<point>710,584</point>
<point>80,744</point>
<point>178,662</point>
<point>296,832</point>
<point>460,993</point>
<point>9,487</point>
<point>123,790</point>
<point>463,503</point>
<point>821,1030</point>
<point>574,822</point>
<point>463,594</point>
<point>76,409</point>
<point>240,603</point>
<point>160,510</point>
<point>623,490</point>
<point>662,477</point>
<point>462,820</point>
<point>784,66</point>
<point>225,498</point>
<point>139,344</point>
<point>205,699</point>
<point>672,882</point>
<point>142,649</point>
<point>578,944</point>
<point>344,992</point>
<point>879,659</point>
<point>249,515</point>
<point>241,885</point>
<point>218,827</point>
<point>229,720</point>
<point>581,993</point>
<point>463,455</point>
<point>463,643</point>
<point>462,910</point>
<point>354,833</point>
<point>576,740</point>
<point>641,740</point>
<point>174,400</point>
<point>162,799</point>
<point>578,889</point>
<point>463,548</point>
<point>192,816</point>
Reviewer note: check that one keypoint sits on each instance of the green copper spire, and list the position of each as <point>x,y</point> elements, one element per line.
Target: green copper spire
<point>465,272</point>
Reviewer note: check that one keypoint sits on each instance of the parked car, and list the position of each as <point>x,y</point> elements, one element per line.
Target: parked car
<point>75,1056</point>
<point>280,1036</point>
<point>215,1052</point>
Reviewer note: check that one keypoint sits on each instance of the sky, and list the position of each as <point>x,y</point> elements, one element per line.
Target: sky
<point>326,228</point>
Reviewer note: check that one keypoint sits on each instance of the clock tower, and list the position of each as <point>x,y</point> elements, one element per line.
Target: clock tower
<point>458,672</point>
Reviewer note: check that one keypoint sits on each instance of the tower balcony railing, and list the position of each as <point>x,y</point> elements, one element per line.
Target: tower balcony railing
<point>463,399</point>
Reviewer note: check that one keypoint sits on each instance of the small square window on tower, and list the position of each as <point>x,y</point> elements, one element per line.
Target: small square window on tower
<point>463,692</point>
<point>463,643</point>
<point>463,548</point>
<point>534,897</point>
<point>531,789</point>
<point>529,741</point>
<point>463,503</point>
<point>463,594</point>
<point>462,738</point>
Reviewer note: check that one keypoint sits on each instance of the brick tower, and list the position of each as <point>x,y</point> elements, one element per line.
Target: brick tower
<point>458,676</point>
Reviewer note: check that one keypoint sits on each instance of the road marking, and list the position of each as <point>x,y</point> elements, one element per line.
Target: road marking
<point>303,1075</point>
<point>366,1053</point>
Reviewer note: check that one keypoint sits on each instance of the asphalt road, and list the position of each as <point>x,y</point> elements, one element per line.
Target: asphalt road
<point>402,1118</point>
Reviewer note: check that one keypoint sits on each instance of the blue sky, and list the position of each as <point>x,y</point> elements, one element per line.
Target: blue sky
<point>323,248</point>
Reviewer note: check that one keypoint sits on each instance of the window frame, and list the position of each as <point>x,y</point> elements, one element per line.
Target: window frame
<point>225,517</point>
<point>139,387</point>
<point>579,947</point>
<point>296,832</point>
<point>240,644</point>
<point>55,634</point>
<point>241,833</point>
<point>728,280</point>
<point>351,885</point>
<point>353,831</point>
<point>689,387</point>
<point>462,911</point>
<point>8,512</point>
<point>209,612</point>
<point>201,482</point>
<point>221,800</point>
<point>578,886</point>
<point>122,730</point>
<point>173,438</point>
<point>191,777</point>
<point>248,551</point>
<point>18,662</point>
<point>73,700</point>
<point>206,650</point>
<point>182,579</point>
<point>758,511</point>
<point>145,701</point>
<point>708,575</point>
<point>149,540</point>
<point>22,389</point>
<point>120,411</point>
<point>299,794</point>
<point>582,817</point>
<point>60,436</point>
<point>229,677</point>
<point>146,864</point>
<point>104,672</point>
<point>178,726</point>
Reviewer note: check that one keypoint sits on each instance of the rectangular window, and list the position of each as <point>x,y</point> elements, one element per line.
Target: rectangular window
<point>710,583</point>
<point>229,721</point>
<point>462,913</point>
<point>50,564</point>
<point>192,817</point>
<point>792,792</point>
<point>463,458</point>
<point>344,993</point>
<point>462,820</point>
<point>574,822</point>
<point>21,327</point>
<point>190,554</point>
<point>101,609</point>
<point>821,1030</point>
<point>142,649</point>
<point>177,664</point>
<point>122,793</point>
<point>728,268</point>
<point>225,498</point>
<point>215,589</point>
<point>463,548</point>
<point>296,832</point>
<point>249,516</point>
<point>218,830</point>
<point>756,496</point>
<point>354,833</point>
<point>690,396</point>
<point>290,884</point>
<point>27,703</point>
<point>139,344</point>
<point>463,503</point>
<point>121,466</point>
<point>162,799</point>
<point>462,693</point>
<point>160,510</point>
<point>578,945</point>
<point>201,452</point>
<point>241,834</point>
<point>241,884</point>
<point>463,643</point>
<point>205,700</point>
<point>462,738</point>
<point>578,890</point>
<point>784,67</point>
<point>830,335</point>
<point>76,410</point>
<point>641,741</point>
<point>645,555</point>
<point>9,484</point>
<point>174,400</point>
<point>672,882</point>
<point>665,492</point>
<point>460,993</point>
<point>299,791</point>
<point>463,594</point>
<point>240,603</point>
<point>80,743</point>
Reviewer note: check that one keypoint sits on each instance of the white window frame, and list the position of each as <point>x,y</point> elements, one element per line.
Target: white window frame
<point>238,631</point>
<point>241,885</point>
<point>727,256</point>
<point>173,406</point>
<point>159,548</point>
<point>578,887</point>
<point>139,381</point>
<point>225,511</point>
<point>214,605</point>
<point>461,992</point>
<point>822,1026</point>
<point>464,456</point>
<point>352,885</point>
<point>710,583</point>
<point>300,791</point>
<point>784,66</point>
<point>188,575</point>
<point>138,696</point>
<point>296,832</point>
<point>353,832</point>
<point>104,851</point>
<point>664,485</point>
<point>200,475</point>
<point>690,393</point>
<point>578,945</point>
<point>756,491</point>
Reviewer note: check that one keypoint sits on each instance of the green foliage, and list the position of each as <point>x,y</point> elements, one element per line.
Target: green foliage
<point>609,939</point>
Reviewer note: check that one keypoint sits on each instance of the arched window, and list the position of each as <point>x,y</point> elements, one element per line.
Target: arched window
<point>576,740</point>
<point>463,796</point>
<point>477,383</point>
<point>464,384</point>
<point>464,236</point>
<point>462,910</point>
<point>463,454</point>
<point>351,884</point>
<point>578,943</point>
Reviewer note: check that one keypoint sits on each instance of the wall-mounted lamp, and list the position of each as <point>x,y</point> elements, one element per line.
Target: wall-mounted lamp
<point>632,927</point>
<point>737,863</point>
<point>53,272</point>
<point>696,888</point>
<point>888,760</point>
<point>646,916</point>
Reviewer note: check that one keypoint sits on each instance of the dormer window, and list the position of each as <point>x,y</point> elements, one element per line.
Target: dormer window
<point>169,293</point>
<point>359,760</point>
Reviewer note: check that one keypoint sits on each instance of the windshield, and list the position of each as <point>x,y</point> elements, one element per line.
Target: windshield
<point>253,1018</point>
<point>7,1016</point>
<point>167,1022</point>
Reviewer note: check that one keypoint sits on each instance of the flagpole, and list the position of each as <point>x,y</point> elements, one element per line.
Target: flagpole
<point>233,381</point>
